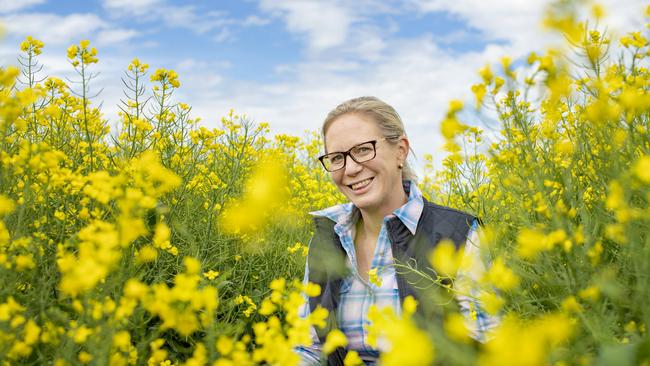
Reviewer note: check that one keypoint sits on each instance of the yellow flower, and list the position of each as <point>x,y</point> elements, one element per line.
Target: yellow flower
<point>492,303</point>
<point>72,51</point>
<point>530,243</point>
<point>296,247</point>
<point>147,254</point>
<point>192,265</point>
<point>267,307</point>
<point>311,289</point>
<point>591,293</point>
<point>598,11</point>
<point>409,306</point>
<point>486,74</point>
<point>352,359</point>
<point>479,91</point>
<point>264,194</point>
<point>122,340</point>
<point>81,334</point>
<point>24,262</point>
<point>571,305</point>
<point>85,357</point>
<point>501,276</point>
<point>32,332</point>
<point>251,305</point>
<point>450,127</point>
<point>455,328</point>
<point>6,205</point>
<point>498,83</point>
<point>59,215</point>
<point>135,289</point>
<point>374,278</point>
<point>516,342</point>
<point>211,275</point>
<point>224,345</point>
<point>455,106</point>
<point>594,253</point>
<point>167,77</point>
<point>641,169</point>
<point>445,259</point>
<point>401,341</point>
<point>334,340</point>
<point>505,63</point>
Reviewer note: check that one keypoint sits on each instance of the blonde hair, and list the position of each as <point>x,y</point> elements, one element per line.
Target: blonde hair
<point>382,114</point>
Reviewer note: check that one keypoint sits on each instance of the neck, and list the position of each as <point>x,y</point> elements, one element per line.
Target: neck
<point>373,219</point>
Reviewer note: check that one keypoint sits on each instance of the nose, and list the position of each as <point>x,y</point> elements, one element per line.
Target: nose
<point>351,166</point>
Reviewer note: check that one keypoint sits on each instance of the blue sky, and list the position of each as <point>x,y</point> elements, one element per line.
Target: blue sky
<point>289,62</point>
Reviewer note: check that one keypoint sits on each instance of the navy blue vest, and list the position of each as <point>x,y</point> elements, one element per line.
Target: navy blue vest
<point>328,268</point>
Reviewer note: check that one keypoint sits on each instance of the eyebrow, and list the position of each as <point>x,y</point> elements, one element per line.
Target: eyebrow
<point>358,143</point>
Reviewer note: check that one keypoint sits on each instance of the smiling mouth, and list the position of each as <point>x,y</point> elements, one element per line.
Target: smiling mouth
<point>359,185</point>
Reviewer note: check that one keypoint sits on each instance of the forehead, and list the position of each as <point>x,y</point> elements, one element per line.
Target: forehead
<point>349,130</point>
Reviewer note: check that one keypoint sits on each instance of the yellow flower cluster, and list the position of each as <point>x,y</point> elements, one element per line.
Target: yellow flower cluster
<point>275,339</point>
<point>137,66</point>
<point>25,333</point>
<point>32,46</point>
<point>264,193</point>
<point>518,342</point>
<point>105,228</point>
<point>298,248</point>
<point>563,191</point>
<point>166,77</point>
<point>95,216</point>
<point>399,338</point>
<point>184,307</point>
<point>81,55</point>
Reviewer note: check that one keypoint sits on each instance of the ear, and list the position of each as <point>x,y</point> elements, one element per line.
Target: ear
<point>403,148</point>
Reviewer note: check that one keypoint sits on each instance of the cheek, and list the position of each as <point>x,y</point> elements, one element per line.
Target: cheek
<point>336,177</point>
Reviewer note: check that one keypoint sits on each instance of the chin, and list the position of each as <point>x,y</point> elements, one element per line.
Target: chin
<point>364,203</point>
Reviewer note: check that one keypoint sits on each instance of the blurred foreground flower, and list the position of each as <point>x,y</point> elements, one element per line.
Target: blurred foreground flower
<point>264,193</point>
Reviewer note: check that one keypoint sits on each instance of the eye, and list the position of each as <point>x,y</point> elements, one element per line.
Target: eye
<point>336,158</point>
<point>362,150</point>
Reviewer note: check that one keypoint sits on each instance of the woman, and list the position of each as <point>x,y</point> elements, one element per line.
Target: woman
<point>386,221</point>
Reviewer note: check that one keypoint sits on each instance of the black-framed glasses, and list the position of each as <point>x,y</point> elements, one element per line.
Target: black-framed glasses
<point>360,153</point>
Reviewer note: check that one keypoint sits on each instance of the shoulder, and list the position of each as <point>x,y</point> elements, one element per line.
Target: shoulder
<point>445,222</point>
<point>431,208</point>
<point>335,213</point>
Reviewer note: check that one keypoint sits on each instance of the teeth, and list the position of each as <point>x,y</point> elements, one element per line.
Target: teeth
<point>361,184</point>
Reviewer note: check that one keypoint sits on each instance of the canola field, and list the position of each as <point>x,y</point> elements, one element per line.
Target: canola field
<point>151,240</point>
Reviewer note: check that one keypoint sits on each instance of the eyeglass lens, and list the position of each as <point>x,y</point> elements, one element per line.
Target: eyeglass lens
<point>360,153</point>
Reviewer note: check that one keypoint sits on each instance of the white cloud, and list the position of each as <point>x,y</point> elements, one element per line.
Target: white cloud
<point>254,20</point>
<point>111,36</point>
<point>7,6</point>
<point>349,54</point>
<point>133,7</point>
<point>516,22</point>
<point>624,16</point>
<point>51,28</point>
<point>324,24</point>
<point>519,23</point>
<point>188,17</point>
<point>223,36</point>
<point>177,16</point>
<point>416,77</point>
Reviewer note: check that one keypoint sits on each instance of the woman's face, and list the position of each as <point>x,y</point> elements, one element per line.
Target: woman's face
<point>375,185</point>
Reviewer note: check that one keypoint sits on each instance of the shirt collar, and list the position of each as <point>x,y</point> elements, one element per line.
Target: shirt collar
<point>344,215</point>
<point>411,211</point>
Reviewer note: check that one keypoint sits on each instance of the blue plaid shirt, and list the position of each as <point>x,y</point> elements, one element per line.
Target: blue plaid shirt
<point>357,294</point>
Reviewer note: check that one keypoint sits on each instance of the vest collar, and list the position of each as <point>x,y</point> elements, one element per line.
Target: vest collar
<point>346,214</point>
